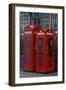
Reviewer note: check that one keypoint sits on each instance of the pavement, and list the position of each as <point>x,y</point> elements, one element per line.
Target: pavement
<point>34,74</point>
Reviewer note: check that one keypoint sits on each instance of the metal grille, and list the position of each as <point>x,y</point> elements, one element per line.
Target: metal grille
<point>38,18</point>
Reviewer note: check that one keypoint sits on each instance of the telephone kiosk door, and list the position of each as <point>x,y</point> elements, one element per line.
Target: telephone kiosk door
<point>29,48</point>
<point>40,52</point>
<point>50,51</point>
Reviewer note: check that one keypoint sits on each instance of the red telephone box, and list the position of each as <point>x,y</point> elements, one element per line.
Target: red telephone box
<point>29,47</point>
<point>45,58</point>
